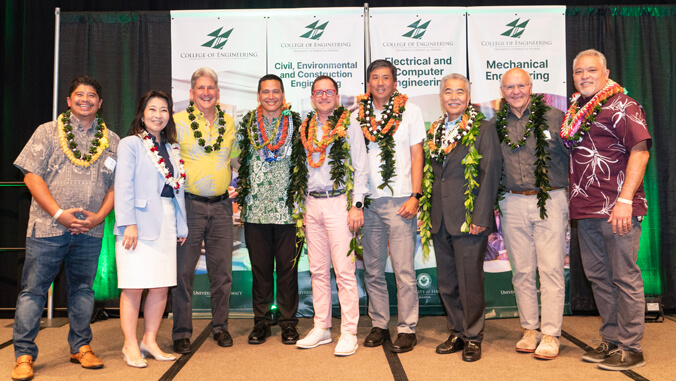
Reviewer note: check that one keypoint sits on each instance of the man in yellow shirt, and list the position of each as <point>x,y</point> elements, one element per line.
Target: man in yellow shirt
<point>206,135</point>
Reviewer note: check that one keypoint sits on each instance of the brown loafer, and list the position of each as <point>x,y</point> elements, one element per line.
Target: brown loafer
<point>23,370</point>
<point>86,358</point>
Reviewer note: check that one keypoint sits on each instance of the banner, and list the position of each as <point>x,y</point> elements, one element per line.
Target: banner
<point>306,43</point>
<point>232,43</point>
<point>425,44</point>
<point>531,38</point>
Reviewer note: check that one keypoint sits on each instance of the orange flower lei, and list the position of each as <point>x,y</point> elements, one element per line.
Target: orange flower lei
<point>260,128</point>
<point>330,132</point>
<point>389,122</point>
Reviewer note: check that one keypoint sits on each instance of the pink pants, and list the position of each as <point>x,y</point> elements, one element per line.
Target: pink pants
<point>328,241</point>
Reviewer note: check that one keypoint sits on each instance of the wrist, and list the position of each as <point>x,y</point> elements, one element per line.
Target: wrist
<point>625,201</point>
<point>57,214</point>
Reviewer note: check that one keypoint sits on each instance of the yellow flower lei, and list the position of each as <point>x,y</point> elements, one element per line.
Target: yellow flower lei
<point>103,142</point>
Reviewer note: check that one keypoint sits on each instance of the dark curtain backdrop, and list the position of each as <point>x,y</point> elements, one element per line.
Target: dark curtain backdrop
<point>638,45</point>
<point>129,53</point>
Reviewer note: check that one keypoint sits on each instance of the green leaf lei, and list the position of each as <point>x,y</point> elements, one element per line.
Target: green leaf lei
<point>470,161</point>
<point>198,135</point>
<point>342,174</point>
<point>68,129</point>
<point>536,121</point>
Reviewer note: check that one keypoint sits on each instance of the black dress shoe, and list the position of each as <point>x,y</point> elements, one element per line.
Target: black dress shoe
<point>376,337</point>
<point>472,351</point>
<point>404,342</point>
<point>223,338</point>
<point>289,334</point>
<point>259,333</point>
<point>451,345</point>
<point>182,346</point>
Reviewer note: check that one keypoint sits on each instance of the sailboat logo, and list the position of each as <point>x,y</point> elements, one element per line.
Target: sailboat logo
<point>316,30</point>
<point>517,28</point>
<point>418,29</point>
<point>219,39</point>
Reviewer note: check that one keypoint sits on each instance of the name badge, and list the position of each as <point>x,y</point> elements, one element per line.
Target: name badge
<point>548,136</point>
<point>110,163</point>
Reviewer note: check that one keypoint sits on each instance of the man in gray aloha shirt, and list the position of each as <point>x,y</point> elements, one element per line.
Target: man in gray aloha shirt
<point>69,168</point>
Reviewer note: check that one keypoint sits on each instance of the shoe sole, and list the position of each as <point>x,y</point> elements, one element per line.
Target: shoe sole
<point>343,354</point>
<point>373,345</point>
<point>75,361</point>
<point>256,342</point>
<point>326,341</point>
<point>608,367</point>
<point>593,360</point>
<point>543,357</point>
<point>525,350</point>
<point>225,345</point>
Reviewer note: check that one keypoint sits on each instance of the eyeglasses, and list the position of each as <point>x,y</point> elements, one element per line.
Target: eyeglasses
<point>520,86</point>
<point>329,93</point>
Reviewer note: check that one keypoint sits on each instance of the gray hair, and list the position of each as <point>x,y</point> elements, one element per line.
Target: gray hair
<point>591,52</point>
<point>457,76</point>
<point>203,72</point>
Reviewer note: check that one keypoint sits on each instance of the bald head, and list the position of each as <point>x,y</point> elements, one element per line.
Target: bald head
<point>516,87</point>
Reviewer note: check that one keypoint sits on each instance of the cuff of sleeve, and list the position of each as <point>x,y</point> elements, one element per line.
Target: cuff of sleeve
<point>358,198</point>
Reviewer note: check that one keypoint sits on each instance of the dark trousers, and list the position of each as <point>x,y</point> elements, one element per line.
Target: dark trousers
<point>271,244</point>
<point>460,277</point>
<point>211,223</point>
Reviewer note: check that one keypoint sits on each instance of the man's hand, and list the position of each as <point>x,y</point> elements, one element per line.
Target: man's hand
<point>181,240</point>
<point>620,218</point>
<point>232,192</point>
<point>68,219</point>
<point>409,209</point>
<point>82,226</point>
<point>130,238</point>
<point>355,218</point>
<point>473,229</point>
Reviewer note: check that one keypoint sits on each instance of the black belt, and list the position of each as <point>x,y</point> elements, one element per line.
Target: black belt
<point>528,192</point>
<point>327,194</point>
<point>207,199</point>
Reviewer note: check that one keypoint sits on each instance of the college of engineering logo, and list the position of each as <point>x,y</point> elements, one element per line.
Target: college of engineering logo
<point>517,29</point>
<point>316,30</point>
<point>219,39</point>
<point>418,30</point>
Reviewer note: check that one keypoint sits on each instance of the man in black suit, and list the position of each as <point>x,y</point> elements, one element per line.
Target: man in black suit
<point>462,211</point>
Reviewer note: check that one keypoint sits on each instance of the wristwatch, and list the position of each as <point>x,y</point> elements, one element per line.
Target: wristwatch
<point>416,195</point>
<point>358,204</point>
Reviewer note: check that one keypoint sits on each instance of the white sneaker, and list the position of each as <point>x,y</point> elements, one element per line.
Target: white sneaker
<point>528,342</point>
<point>347,345</point>
<point>548,348</point>
<point>317,336</point>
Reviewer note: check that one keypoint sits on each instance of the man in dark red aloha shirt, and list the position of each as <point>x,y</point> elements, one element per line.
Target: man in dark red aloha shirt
<point>609,155</point>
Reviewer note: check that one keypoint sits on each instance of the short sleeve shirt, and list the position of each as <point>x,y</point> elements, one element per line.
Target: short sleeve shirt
<point>519,163</point>
<point>599,162</point>
<point>207,173</point>
<point>70,185</point>
<point>411,131</point>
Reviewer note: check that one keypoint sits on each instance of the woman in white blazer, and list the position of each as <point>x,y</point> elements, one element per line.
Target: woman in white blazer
<point>149,218</point>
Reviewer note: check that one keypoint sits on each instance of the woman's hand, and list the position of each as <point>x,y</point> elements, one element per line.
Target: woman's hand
<point>181,240</point>
<point>130,238</point>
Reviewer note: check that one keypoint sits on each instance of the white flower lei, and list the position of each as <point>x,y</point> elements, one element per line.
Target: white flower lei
<point>454,134</point>
<point>173,182</point>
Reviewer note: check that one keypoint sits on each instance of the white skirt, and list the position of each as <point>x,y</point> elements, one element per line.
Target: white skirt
<point>153,263</point>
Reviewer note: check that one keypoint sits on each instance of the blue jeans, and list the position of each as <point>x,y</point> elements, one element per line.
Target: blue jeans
<point>43,260</point>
